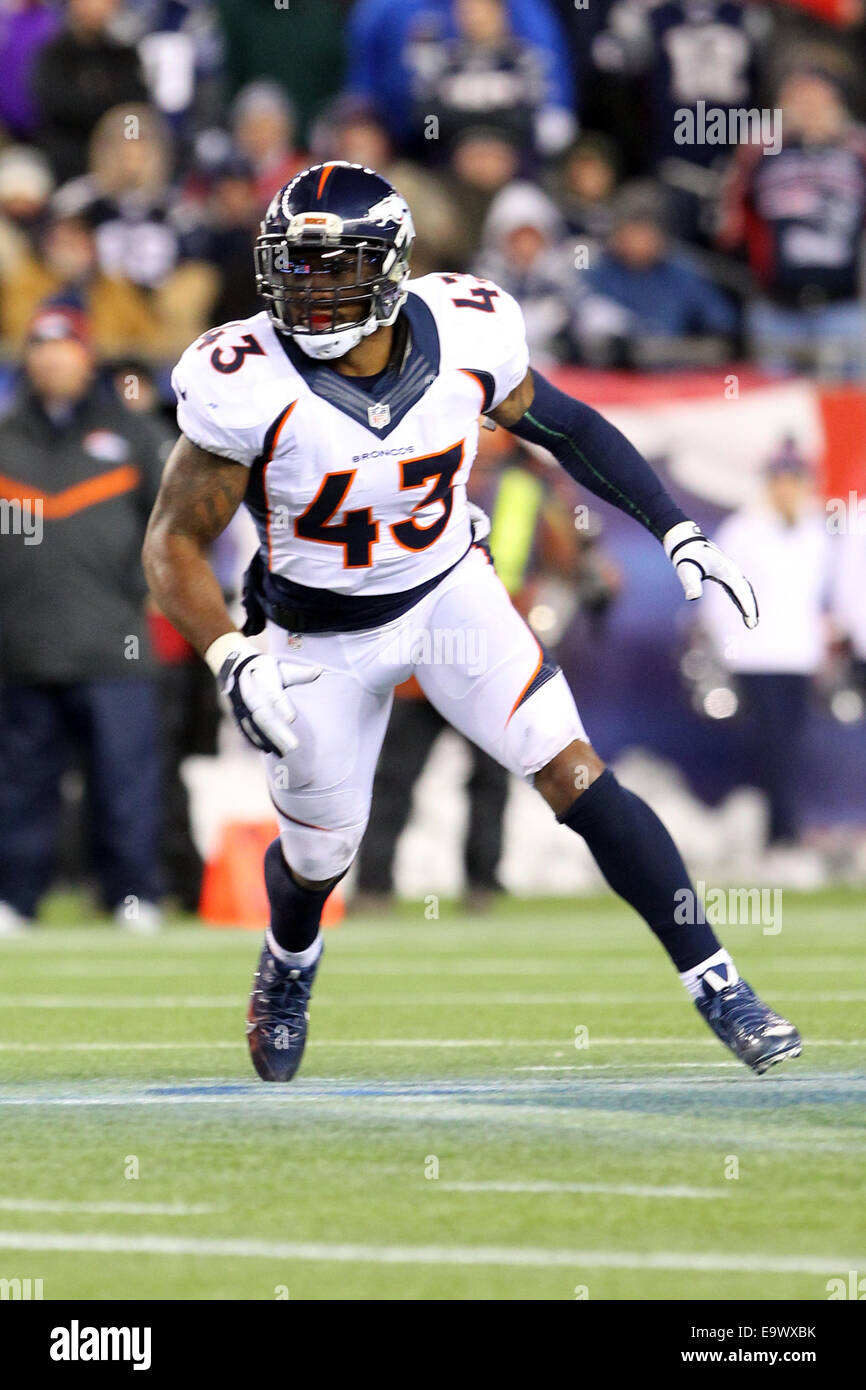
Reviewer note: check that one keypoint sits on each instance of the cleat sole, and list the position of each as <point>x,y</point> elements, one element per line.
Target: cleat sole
<point>782,1056</point>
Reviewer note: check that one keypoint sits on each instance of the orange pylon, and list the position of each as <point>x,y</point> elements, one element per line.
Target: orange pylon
<point>233,888</point>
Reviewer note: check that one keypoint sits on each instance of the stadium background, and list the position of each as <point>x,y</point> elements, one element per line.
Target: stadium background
<point>503,125</point>
<point>583,1126</point>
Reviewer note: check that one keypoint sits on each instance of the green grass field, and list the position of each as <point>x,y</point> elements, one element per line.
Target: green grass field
<point>446,1047</point>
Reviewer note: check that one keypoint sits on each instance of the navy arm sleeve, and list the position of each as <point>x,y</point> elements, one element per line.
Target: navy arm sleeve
<point>597,456</point>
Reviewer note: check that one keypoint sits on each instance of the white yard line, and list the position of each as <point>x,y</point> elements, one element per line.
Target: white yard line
<point>625,1066</point>
<point>107,1208</point>
<point>141,969</point>
<point>113,1046</point>
<point>121,1001</point>
<point>369,938</point>
<point>572,1000</point>
<point>496,1255</point>
<point>707,1042</point>
<point>445,1043</point>
<point>346,968</point>
<point>612,1189</point>
<point>343,966</point>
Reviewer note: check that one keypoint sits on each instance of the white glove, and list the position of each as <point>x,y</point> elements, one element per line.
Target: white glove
<point>695,559</point>
<point>255,686</point>
<point>480,522</point>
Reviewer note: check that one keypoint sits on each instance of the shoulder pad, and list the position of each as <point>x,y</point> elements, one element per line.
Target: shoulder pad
<point>481,329</point>
<point>230,384</point>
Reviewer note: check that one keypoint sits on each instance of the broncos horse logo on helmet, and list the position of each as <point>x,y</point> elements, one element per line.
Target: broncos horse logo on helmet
<point>332,257</point>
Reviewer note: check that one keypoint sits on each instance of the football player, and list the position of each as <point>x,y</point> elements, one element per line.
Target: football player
<point>345,417</point>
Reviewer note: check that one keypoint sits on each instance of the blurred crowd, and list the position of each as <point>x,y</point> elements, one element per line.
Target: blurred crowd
<point>541,143</point>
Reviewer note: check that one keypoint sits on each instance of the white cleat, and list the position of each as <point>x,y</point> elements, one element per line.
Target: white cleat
<point>12,923</point>
<point>139,918</point>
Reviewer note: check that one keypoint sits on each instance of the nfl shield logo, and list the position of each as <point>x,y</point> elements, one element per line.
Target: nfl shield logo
<point>379,415</point>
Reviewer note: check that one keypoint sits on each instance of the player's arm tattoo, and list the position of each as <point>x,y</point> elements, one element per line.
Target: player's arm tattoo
<point>515,406</point>
<point>199,495</point>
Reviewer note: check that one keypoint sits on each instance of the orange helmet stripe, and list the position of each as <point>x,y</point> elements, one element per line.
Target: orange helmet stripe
<point>323,179</point>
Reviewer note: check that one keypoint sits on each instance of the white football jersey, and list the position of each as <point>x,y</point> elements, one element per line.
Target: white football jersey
<point>355,490</point>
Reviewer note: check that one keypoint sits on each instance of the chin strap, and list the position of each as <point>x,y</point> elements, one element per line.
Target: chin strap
<point>325,347</point>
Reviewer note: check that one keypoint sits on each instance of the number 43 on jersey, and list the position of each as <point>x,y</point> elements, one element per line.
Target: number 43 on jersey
<point>358,531</point>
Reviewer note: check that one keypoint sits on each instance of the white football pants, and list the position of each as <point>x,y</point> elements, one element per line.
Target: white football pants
<point>476,661</point>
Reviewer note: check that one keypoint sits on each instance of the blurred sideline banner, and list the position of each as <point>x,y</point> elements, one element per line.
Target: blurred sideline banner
<point>712,431</point>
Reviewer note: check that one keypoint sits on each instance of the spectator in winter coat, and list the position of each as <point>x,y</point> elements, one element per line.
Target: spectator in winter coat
<point>642,302</point>
<point>263,126</point>
<point>78,477</point>
<point>26,26</point>
<point>584,185</point>
<point>390,41</point>
<point>799,215</point>
<point>77,78</point>
<point>484,74</point>
<point>127,198</point>
<point>523,251</point>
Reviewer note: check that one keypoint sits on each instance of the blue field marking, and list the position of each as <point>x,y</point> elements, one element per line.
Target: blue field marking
<point>758,1115</point>
<point>696,1097</point>
<point>657,1095</point>
<point>234,1088</point>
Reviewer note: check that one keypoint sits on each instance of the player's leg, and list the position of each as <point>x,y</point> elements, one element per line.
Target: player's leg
<point>633,850</point>
<point>321,792</point>
<point>640,861</point>
<point>518,707</point>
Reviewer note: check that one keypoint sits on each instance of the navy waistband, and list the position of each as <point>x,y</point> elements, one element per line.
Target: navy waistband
<point>300,608</point>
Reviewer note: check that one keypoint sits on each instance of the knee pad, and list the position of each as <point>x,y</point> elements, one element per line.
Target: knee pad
<point>540,728</point>
<point>320,854</point>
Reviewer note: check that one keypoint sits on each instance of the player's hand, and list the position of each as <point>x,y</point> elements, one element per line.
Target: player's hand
<point>256,687</point>
<point>695,559</point>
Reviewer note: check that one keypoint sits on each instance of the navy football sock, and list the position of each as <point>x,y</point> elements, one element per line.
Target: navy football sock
<point>640,862</point>
<point>295,911</point>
